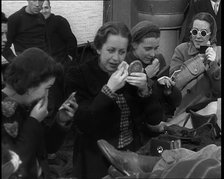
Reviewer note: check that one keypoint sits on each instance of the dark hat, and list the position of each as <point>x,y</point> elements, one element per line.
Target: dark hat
<point>142,29</point>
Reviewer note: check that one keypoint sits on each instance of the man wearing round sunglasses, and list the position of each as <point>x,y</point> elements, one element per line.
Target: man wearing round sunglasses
<point>200,77</point>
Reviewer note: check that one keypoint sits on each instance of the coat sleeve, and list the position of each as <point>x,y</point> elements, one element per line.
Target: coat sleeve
<point>214,74</point>
<point>91,115</point>
<point>177,60</point>
<point>95,108</point>
<point>66,34</point>
<point>54,136</point>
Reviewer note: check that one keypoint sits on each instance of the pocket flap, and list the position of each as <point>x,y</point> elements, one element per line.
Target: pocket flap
<point>196,66</point>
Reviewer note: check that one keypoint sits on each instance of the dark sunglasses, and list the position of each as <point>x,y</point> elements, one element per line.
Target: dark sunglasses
<point>203,33</point>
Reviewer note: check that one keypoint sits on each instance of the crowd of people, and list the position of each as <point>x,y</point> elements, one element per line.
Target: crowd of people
<point>46,93</point>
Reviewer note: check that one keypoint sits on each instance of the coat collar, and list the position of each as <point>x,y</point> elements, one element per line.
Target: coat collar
<point>192,50</point>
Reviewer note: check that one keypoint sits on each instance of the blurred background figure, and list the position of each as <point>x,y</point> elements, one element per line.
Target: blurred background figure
<point>4,62</point>
<point>61,41</point>
<point>26,28</point>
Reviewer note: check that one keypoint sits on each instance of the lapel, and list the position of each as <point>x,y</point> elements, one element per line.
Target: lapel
<point>192,50</point>
<point>211,10</point>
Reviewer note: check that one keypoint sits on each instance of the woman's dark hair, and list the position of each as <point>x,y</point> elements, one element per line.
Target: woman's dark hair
<point>48,2</point>
<point>4,18</point>
<point>144,29</point>
<point>204,16</point>
<point>111,28</point>
<point>30,69</point>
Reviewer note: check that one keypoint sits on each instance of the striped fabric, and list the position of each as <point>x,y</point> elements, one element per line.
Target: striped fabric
<point>126,133</point>
<point>126,136</point>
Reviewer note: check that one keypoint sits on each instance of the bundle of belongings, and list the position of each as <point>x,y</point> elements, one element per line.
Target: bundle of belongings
<point>178,152</point>
<point>175,163</point>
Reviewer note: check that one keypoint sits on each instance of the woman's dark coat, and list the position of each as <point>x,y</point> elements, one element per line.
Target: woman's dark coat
<point>98,117</point>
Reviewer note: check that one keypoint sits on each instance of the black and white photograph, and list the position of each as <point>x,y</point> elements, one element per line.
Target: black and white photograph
<point>111,89</point>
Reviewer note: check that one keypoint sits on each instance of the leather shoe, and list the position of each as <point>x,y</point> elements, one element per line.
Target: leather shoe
<point>115,174</point>
<point>128,163</point>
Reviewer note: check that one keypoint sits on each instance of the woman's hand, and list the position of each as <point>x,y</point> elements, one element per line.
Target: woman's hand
<point>67,110</point>
<point>117,79</point>
<point>166,81</point>
<point>210,54</point>
<point>15,160</point>
<point>138,79</point>
<point>151,70</point>
<point>39,112</point>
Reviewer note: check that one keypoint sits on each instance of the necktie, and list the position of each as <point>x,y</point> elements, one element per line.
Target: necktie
<point>216,6</point>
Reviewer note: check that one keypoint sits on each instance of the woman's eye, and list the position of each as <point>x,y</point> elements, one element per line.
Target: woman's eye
<point>148,49</point>
<point>122,52</point>
<point>111,50</point>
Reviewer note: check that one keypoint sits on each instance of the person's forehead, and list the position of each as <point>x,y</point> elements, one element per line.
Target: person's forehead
<point>115,40</point>
<point>201,24</point>
<point>46,3</point>
<point>150,41</point>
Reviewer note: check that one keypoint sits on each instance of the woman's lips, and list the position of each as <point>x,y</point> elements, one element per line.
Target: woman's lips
<point>114,65</point>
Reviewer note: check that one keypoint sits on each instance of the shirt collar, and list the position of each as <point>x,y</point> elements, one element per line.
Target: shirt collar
<point>213,3</point>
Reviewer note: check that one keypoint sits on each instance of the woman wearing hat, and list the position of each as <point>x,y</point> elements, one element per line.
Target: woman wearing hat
<point>165,97</point>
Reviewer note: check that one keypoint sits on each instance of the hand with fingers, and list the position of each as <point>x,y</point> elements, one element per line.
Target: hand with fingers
<point>210,54</point>
<point>39,112</point>
<point>168,83</point>
<point>137,79</point>
<point>152,70</point>
<point>67,110</point>
<point>117,79</point>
